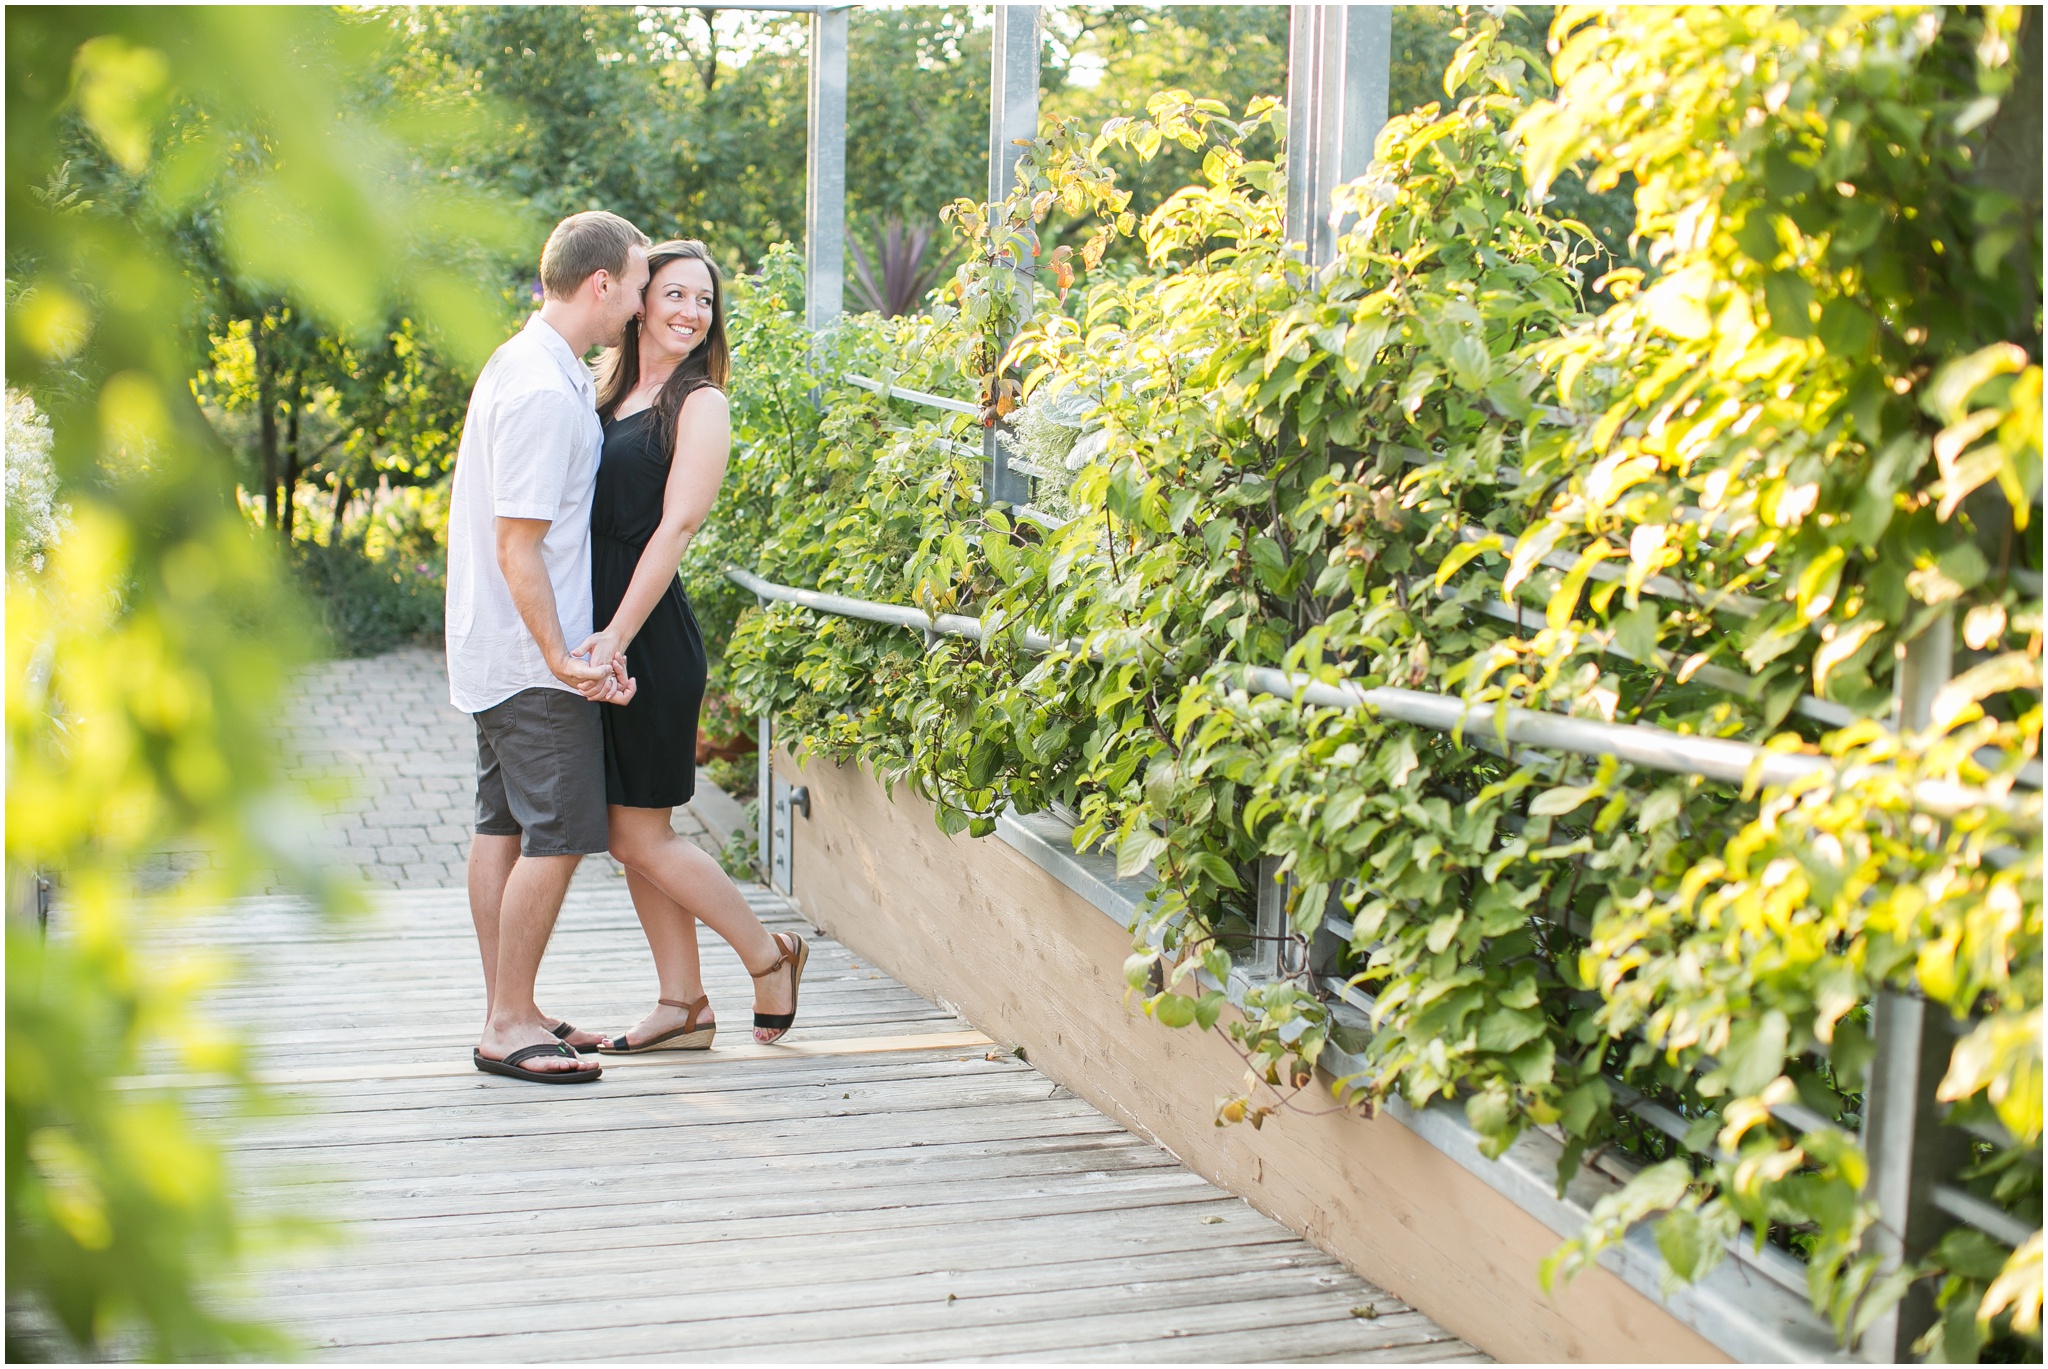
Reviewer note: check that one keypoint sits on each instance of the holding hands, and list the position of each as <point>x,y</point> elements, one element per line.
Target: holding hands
<point>597,668</point>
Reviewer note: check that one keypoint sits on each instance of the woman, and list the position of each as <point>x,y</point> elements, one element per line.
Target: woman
<point>666,440</point>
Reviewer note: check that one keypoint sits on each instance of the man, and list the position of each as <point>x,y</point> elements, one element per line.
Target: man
<point>518,593</point>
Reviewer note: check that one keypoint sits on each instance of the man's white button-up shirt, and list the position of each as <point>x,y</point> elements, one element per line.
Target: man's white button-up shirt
<point>530,447</point>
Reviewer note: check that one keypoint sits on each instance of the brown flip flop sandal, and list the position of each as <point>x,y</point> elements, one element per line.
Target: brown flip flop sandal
<point>510,1065</point>
<point>565,1031</point>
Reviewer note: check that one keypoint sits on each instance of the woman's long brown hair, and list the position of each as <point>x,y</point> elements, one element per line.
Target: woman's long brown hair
<point>709,362</point>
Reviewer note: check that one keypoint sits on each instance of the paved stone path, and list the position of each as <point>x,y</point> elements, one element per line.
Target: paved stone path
<point>383,729</point>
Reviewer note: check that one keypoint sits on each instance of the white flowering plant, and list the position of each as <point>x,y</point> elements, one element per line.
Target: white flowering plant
<point>36,518</point>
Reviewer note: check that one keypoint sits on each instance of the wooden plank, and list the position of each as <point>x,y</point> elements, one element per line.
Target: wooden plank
<point>741,1136</point>
<point>1030,1226</point>
<point>586,1112</point>
<point>373,1067</point>
<point>1109,1152</point>
<point>1102,1156</point>
<point>370,1279</point>
<point>614,1290</point>
<point>796,1076</point>
<point>874,1319</point>
<point>1022,1326</point>
<point>772,1194</point>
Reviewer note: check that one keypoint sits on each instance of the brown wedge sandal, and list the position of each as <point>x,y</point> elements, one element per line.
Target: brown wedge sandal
<point>796,952</point>
<point>688,1037</point>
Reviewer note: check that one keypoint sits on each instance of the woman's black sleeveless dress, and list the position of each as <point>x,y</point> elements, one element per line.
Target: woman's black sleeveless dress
<point>650,744</point>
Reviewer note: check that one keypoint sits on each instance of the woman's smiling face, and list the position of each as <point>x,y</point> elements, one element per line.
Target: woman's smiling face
<point>678,309</point>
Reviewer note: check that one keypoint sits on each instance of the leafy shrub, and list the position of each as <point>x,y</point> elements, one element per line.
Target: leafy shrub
<point>383,583</point>
<point>370,605</point>
<point>1717,505</point>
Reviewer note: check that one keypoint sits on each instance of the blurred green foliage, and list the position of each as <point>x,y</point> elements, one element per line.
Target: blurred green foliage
<point>156,158</point>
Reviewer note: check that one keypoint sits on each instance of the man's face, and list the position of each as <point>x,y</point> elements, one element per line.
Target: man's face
<point>624,302</point>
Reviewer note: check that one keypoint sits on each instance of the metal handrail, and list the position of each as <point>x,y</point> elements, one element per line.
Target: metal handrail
<point>951,406</point>
<point>1655,748</point>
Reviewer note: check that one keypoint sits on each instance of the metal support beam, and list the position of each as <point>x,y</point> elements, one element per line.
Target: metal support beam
<point>1337,62</point>
<point>1012,117</point>
<point>825,172</point>
<point>764,788</point>
<point>1270,923</point>
<point>1012,93</point>
<point>1911,1152</point>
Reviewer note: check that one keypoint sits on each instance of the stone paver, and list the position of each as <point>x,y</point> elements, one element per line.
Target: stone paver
<point>391,768</point>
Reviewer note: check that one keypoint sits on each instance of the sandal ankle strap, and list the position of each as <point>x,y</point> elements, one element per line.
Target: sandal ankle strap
<point>788,953</point>
<point>694,1007</point>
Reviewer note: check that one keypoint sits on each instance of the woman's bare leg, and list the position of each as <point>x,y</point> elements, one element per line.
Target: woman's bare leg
<point>693,889</point>
<point>672,936</point>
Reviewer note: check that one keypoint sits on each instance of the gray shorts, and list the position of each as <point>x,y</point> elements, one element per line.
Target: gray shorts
<point>540,773</point>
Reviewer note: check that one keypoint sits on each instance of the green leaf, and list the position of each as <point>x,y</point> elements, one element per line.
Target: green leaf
<point>1138,848</point>
<point>1464,552</point>
<point>1578,1108</point>
<point>1846,328</point>
<point>1689,1244</point>
<point>1507,1029</point>
<point>1755,1056</point>
<point>1489,1112</point>
<point>1557,802</point>
<point>1215,869</point>
<point>1790,300</point>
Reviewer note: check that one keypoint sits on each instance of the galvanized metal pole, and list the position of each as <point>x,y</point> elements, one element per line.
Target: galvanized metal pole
<point>1012,93</point>
<point>1269,920</point>
<point>825,172</point>
<point>1337,64</point>
<point>1012,119</point>
<point>1909,1148</point>
<point>824,291</point>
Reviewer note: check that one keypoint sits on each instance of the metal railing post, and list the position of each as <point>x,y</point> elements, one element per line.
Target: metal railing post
<point>824,293</point>
<point>1270,923</point>
<point>825,172</point>
<point>1012,116</point>
<point>1909,1148</point>
<point>1337,72</point>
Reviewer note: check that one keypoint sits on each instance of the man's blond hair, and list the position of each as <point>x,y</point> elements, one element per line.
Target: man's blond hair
<point>584,244</point>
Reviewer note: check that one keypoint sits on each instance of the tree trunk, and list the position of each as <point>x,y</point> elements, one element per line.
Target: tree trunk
<point>709,70</point>
<point>291,463</point>
<point>343,495</point>
<point>266,408</point>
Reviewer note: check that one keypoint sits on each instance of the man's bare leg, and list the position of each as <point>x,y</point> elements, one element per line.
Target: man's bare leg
<point>490,864</point>
<point>526,918</point>
<point>491,859</point>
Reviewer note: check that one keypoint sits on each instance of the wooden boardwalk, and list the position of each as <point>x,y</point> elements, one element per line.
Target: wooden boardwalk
<point>889,1187</point>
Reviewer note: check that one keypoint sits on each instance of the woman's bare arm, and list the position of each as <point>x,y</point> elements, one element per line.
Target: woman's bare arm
<point>696,469</point>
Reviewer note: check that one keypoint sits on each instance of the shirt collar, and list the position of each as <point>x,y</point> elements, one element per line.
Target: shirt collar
<point>557,348</point>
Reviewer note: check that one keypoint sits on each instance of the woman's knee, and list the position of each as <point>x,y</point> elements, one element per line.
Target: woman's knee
<point>636,844</point>
<point>633,849</point>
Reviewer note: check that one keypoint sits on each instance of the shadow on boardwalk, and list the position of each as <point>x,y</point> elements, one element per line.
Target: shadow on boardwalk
<point>890,1186</point>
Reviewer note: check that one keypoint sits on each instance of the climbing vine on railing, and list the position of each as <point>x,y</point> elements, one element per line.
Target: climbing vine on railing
<point>1716,507</point>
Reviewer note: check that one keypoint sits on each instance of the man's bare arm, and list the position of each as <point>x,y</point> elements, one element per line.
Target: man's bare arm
<point>533,595</point>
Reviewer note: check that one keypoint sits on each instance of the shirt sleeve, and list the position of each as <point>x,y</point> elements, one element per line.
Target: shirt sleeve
<point>533,440</point>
